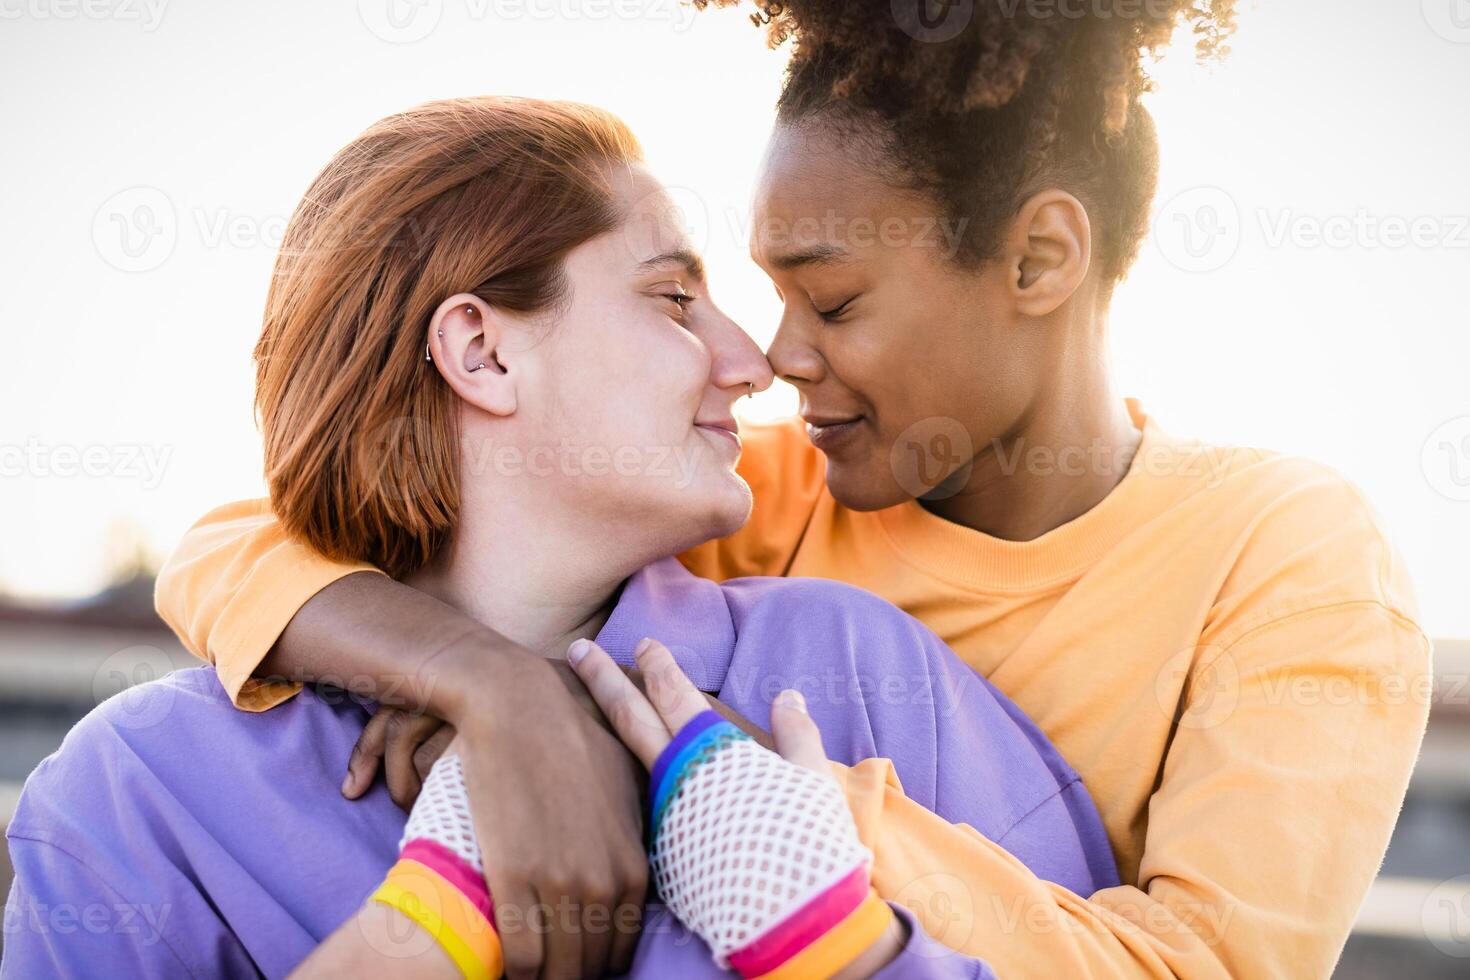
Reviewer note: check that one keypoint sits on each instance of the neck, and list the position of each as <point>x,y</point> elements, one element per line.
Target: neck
<point>538,582</point>
<point>1066,451</point>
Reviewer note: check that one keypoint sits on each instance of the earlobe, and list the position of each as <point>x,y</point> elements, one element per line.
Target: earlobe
<point>1053,248</point>
<point>465,336</point>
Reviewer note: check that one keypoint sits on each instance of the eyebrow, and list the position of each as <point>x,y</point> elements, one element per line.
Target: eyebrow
<point>824,254</point>
<point>684,257</point>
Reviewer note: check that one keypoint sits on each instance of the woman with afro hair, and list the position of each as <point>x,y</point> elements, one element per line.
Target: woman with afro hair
<point>1222,641</point>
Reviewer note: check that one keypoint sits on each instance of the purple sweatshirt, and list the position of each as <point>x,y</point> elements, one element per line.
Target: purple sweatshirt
<point>173,835</point>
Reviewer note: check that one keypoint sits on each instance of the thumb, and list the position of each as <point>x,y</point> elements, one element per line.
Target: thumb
<point>796,735</point>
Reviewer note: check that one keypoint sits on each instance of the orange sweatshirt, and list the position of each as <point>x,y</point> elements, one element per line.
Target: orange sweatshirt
<point>1225,648</point>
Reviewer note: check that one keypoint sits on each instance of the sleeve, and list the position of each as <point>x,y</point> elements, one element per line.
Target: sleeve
<point>786,474</point>
<point>230,588</point>
<point>1311,722</point>
<point>63,920</point>
<point>924,959</point>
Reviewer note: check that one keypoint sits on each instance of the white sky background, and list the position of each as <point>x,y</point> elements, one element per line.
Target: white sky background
<point>1342,117</point>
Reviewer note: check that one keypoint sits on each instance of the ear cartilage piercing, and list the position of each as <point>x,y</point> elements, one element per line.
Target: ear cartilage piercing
<point>477,367</point>
<point>427,355</point>
<point>470,310</point>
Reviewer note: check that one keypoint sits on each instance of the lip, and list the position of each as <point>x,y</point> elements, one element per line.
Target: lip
<point>830,433</point>
<point>724,428</point>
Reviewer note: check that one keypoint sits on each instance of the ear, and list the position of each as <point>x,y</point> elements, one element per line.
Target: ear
<point>464,343</point>
<point>1050,251</point>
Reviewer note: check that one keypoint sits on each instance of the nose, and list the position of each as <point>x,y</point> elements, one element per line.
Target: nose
<point>792,355</point>
<point>736,361</point>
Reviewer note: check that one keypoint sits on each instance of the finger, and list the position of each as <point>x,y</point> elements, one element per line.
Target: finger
<point>362,765</point>
<point>633,718</point>
<point>406,732</point>
<point>672,693</point>
<point>429,752</point>
<point>596,927</point>
<point>562,938</point>
<point>520,939</point>
<point>797,737</point>
<point>626,928</point>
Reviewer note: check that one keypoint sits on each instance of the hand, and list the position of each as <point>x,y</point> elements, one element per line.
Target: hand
<point>408,741</point>
<point>558,808</point>
<point>648,720</point>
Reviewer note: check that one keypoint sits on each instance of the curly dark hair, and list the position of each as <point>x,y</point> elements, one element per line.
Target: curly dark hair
<point>981,103</point>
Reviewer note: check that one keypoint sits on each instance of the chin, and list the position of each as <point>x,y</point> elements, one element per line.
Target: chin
<point>856,486</point>
<point>708,509</point>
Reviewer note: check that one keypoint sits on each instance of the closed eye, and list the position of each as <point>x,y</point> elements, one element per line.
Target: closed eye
<point>836,311</point>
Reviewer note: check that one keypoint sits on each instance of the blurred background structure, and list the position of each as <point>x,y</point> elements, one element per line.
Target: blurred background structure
<point>1304,289</point>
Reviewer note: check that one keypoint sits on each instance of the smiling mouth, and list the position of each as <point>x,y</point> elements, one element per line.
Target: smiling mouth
<point>827,434</point>
<point>726,431</point>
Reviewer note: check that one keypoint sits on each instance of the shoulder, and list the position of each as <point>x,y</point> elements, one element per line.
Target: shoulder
<point>1289,536</point>
<point>1310,529</point>
<point>823,609</point>
<point>160,750</point>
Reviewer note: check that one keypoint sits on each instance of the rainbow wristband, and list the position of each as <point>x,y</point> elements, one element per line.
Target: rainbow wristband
<point>822,935</point>
<point>700,738</point>
<point>447,898</point>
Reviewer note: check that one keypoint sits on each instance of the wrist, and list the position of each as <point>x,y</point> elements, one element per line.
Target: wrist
<point>457,679</point>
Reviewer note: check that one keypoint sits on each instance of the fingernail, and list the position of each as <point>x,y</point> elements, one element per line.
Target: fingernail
<point>642,647</point>
<point>792,698</point>
<point>347,784</point>
<point>577,651</point>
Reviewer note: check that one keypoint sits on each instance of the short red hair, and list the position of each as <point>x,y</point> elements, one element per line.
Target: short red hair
<point>483,195</point>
